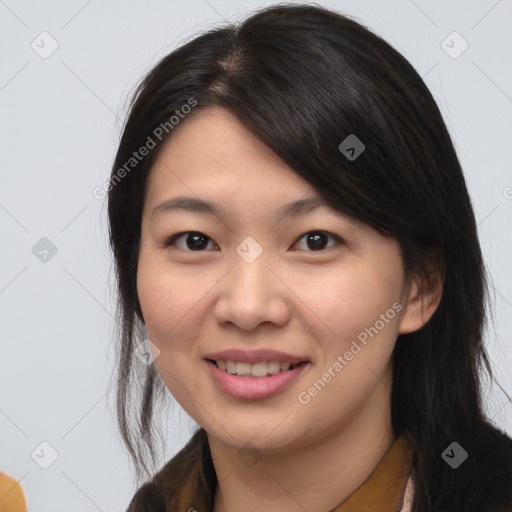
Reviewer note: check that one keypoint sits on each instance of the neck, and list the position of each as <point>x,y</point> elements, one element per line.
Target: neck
<point>316,477</point>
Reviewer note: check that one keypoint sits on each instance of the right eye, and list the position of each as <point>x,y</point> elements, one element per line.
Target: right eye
<point>195,241</point>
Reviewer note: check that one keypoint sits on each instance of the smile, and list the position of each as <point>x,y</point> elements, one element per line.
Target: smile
<point>260,369</point>
<point>251,382</point>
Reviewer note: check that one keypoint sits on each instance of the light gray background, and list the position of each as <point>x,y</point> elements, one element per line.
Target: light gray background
<point>60,123</point>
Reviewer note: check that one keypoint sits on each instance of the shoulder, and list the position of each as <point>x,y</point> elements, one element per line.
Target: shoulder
<point>147,499</point>
<point>484,479</point>
<point>494,452</point>
<point>174,479</point>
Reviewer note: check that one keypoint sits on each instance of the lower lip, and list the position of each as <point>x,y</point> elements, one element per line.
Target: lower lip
<point>254,387</point>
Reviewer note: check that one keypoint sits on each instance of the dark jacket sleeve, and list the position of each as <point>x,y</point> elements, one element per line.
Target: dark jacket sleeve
<point>147,499</point>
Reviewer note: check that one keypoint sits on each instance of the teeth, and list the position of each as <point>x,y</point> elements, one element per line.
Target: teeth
<point>243,368</point>
<point>260,369</point>
<point>273,367</point>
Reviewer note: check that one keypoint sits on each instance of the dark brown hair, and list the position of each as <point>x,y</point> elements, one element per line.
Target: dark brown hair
<point>303,78</point>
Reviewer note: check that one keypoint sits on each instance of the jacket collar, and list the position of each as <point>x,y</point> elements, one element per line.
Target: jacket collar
<point>188,481</point>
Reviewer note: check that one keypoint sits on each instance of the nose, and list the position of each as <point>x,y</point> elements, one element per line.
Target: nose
<point>253,293</point>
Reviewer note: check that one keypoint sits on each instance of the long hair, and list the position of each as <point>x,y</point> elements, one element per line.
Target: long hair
<point>303,79</point>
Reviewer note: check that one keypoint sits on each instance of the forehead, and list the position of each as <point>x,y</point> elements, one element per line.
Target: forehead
<point>212,133</point>
<point>212,152</point>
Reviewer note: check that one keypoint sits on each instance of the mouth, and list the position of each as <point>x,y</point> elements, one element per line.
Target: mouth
<point>261,369</point>
<point>257,380</point>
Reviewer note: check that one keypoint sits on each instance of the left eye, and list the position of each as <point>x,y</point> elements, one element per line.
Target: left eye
<point>196,241</point>
<point>316,239</point>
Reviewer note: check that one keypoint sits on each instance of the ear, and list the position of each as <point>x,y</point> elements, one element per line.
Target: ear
<point>421,303</point>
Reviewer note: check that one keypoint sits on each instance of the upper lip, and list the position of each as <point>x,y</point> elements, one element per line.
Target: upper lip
<point>254,356</point>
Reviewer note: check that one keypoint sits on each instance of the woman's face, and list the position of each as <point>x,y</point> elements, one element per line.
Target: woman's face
<point>254,280</point>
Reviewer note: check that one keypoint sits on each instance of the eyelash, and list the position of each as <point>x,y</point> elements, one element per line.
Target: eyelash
<point>170,241</point>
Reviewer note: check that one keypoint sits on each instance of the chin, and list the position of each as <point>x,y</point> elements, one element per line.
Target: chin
<point>239,434</point>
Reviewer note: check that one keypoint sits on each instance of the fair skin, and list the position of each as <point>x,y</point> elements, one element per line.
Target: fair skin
<point>292,298</point>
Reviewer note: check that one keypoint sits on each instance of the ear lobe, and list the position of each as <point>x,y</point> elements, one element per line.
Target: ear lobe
<point>421,304</point>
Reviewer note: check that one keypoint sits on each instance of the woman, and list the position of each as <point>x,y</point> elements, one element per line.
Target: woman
<point>341,375</point>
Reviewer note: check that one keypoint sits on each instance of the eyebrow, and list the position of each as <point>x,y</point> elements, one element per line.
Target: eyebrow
<point>194,204</point>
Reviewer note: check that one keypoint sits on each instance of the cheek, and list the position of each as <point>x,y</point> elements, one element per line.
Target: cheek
<point>351,300</point>
<point>166,297</point>
<point>172,301</point>
<point>162,294</point>
<point>359,312</point>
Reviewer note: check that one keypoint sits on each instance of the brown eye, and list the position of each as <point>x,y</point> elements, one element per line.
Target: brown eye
<point>317,240</point>
<point>194,241</point>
